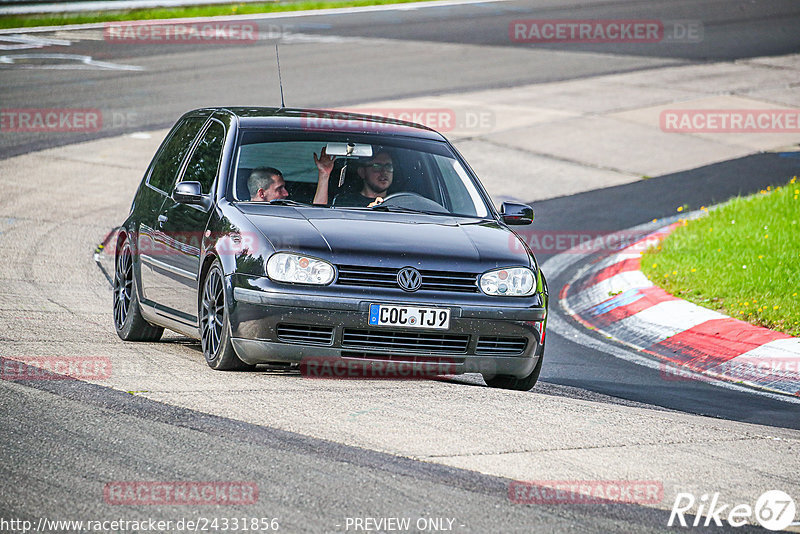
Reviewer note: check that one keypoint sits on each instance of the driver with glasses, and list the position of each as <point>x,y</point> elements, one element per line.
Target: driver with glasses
<point>376,174</point>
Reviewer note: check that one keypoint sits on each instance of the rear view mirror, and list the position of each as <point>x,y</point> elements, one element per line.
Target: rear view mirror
<point>516,214</point>
<point>348,149</point>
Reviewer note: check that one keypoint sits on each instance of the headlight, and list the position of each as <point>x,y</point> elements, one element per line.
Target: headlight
<point>297,269</point>
<point>511,282</point>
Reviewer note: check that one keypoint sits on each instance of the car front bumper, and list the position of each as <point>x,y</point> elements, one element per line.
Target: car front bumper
<point>259,317</point>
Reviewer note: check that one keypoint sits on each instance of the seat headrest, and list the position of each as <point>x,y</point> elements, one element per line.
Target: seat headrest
<point>242,192</point>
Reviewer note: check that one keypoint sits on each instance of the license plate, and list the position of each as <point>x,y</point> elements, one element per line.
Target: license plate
<point>409,316</point>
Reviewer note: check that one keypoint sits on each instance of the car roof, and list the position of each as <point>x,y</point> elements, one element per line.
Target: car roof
<point>323,120</point>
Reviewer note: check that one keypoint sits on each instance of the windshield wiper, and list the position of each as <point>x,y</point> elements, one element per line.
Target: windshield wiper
<point>381,207</point>
<point>401,209</point>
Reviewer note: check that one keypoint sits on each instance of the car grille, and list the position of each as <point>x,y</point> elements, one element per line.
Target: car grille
<point>353,275</point>
<point>303,333</point>
<point>411,341</point>
<point>402,358</point>
<point>500,345</point>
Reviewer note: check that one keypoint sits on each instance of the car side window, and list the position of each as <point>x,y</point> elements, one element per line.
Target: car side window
<point>204,163</point>
<point>165,169</point>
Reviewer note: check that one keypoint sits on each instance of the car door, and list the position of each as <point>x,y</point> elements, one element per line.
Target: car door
<point>161,180</point>
<point>181,227</point>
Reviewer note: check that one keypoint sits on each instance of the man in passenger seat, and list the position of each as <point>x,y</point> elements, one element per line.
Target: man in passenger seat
<point>266,184</point>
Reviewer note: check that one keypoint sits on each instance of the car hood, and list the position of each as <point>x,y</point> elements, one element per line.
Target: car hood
<point>352,237</point>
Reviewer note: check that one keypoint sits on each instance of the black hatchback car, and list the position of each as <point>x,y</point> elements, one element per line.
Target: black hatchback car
<point>234,238</point>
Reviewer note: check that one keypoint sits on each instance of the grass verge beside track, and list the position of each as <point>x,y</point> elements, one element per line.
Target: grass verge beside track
<point>58,19</point>
<point>743,259</point>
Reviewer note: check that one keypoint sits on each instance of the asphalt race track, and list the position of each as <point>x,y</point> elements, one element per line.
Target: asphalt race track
<point>322,451</point>
<point>352,58</point>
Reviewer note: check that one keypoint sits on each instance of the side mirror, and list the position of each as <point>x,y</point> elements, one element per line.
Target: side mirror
<point>191,193</point>
<point>516,214</point>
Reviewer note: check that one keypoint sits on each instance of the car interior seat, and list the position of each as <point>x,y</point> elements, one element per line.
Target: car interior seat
<point>352,181</point>
<point>242,192</point>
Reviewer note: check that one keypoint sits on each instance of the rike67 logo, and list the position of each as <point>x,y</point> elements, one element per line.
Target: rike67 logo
<point>773,510</point>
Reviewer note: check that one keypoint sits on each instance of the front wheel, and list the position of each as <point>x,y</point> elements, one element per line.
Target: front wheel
<point>215,330</point>
<point>525,383</point>
<point>128,320</point>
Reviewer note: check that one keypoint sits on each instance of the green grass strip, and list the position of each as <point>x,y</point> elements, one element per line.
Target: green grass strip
<point>743,259</point>
<point>58,19</point>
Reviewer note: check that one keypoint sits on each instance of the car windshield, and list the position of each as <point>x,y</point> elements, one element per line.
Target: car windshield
<point>409,175</point>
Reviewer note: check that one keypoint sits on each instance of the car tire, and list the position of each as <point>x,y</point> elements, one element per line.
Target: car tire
<point>525,383</point>
<point>215,329</point>
<point>128,320</point>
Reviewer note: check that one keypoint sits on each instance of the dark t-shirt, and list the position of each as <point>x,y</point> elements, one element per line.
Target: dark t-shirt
<point>352,200</point>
